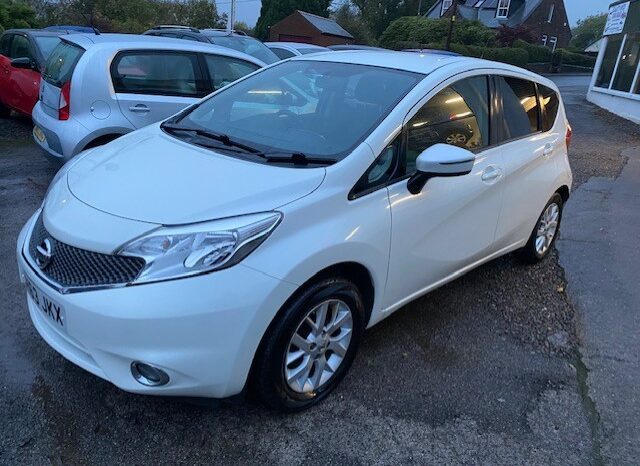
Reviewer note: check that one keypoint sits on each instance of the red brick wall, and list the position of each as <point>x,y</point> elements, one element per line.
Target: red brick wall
<point>559,26</point>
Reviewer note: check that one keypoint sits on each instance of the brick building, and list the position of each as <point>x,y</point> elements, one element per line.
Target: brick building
<point>547,19</point>
<point>308,28</point>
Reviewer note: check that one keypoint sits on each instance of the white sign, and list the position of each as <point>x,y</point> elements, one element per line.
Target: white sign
<point>616,19</point>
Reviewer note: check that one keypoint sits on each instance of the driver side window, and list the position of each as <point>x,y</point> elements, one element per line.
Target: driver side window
<point>20,47</point>
<point>457,115</point>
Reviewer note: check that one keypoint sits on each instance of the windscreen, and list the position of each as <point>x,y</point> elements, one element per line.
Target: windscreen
<point>61,63</point>
<point>247,45</point>
<point>321,109</point>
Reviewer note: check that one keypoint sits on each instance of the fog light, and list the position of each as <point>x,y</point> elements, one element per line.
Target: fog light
<point>148,375</point>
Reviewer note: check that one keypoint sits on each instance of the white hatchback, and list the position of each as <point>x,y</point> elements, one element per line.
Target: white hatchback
<point>249,240</point>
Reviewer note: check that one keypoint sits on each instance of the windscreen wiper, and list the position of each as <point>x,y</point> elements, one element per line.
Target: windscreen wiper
<point>296,158</point>
<point>223,138</point>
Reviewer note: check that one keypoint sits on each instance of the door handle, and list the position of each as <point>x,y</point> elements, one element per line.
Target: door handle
<point>548,150</point>
<point>491,174</point>
<point>139,109</point>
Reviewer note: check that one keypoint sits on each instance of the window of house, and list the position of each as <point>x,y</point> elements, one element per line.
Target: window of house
<point>551,10</point>
<point>478,4</point>
<point>519,107</point>
<point>544,39</point>
<point>457,115</point>
<point>446,4</point>
<point>610,57</point>
<point>503,8</point>
<point>553,42</point>
<point>627,64</point>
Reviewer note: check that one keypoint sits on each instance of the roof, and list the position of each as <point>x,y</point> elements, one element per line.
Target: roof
<point>134,41</point>
<point>516,16</point>
<point>595,47</point>
<point>408,61</point>
<point>325,25</point>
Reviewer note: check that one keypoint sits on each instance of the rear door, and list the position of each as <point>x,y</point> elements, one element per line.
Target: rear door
<point>528,150</point>
<point>152,85</point>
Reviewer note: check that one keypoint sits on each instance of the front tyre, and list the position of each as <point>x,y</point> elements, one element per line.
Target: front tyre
<point>545,232</point>
<point>310,346</point>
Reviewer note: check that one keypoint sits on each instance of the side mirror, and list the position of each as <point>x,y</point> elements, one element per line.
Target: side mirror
<point>24,63</point>
<point>440,160</point>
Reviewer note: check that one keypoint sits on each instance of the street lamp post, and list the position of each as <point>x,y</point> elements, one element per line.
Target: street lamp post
<point>454,5</point>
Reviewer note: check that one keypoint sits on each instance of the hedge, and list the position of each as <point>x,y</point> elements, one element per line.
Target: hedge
<point>537,53</point>
<point>511,55</point>
<point>564,57</point>
<point>416,29</point>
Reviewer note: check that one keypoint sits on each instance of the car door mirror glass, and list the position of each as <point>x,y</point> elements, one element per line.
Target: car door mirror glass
<point>24,63</point>
<point>440,160</point>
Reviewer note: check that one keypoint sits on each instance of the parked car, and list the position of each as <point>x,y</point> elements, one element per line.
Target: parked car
<point>343,47</point>
<point>99,87</point>
<point>235,40</point>
<point>72,28</point>
<point>286,50</point>
<point>229,247</point>
<point>436,51</point>
<point>23,53</point>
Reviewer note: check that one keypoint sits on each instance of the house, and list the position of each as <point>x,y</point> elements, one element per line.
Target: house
<point>309,28</point>
<point>546,19</point>
<point>615,84</point>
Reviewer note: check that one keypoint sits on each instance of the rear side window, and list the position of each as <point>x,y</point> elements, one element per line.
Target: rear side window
<point>457,115</point>
<point>519,107</point>
<point>47,44</point>
<point>224,70</point>
<point>160,73</point>
<point>61,63</point>
<point>549,105</point>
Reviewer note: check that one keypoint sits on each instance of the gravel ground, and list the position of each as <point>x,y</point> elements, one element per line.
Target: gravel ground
<point>480,371</point>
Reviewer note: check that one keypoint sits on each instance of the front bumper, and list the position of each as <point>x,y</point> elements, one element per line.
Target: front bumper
<point>203,331</point>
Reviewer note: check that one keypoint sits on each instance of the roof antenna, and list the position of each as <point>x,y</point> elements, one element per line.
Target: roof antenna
<point>89,19</point>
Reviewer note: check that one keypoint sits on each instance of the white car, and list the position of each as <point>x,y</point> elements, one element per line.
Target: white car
<point>286,50</point>
<point>226,248</point>
<point>95,88</point>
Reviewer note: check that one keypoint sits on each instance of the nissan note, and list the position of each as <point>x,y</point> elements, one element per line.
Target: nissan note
<point>247,242</point>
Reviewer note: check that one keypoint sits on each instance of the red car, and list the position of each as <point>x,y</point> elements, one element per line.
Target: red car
<point>23,53</point>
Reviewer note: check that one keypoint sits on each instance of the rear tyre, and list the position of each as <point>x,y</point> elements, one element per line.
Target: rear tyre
<point>310,346</point>
<point>544,234</point>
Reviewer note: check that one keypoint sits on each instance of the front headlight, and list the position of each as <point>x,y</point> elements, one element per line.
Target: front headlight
<point>172,252</point>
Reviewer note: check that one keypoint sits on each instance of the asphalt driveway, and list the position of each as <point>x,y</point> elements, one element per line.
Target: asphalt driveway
<point>482,371</point>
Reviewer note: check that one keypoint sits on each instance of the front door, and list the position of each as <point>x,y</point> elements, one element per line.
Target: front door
<point>450,224</point>
<point>153,85</point>
<point>23,83</point>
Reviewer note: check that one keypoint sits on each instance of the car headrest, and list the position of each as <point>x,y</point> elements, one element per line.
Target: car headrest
<point>371,89</point>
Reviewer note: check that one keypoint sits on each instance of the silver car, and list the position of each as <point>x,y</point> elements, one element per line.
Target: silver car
<point>286,50</point>
<point>96,88</point>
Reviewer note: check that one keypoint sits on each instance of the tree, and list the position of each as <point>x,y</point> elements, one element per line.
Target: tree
<point>351,20</point>
<point>16,14</point>
<point>273,11</point>
<point>244,27</point>
<point>588,31</point>
<point>506,35</point>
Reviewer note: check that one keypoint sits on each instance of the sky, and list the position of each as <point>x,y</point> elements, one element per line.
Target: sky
<point>249,10</point>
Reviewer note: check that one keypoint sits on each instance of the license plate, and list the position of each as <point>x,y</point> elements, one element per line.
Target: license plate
<point>39,134</point>
<point>53,311</point>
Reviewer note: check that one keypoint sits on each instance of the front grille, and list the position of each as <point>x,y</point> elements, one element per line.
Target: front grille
<point>75,267</point>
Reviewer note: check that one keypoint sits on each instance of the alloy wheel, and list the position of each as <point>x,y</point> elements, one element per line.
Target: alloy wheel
<point>318,346</point>
<point>547,228</point>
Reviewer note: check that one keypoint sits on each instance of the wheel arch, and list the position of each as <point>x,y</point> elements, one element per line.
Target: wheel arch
<point>564,192</point>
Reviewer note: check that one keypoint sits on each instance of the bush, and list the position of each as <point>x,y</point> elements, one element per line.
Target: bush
<point>537,53</point>
<point>416,29</point>
<point>564,57</point>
